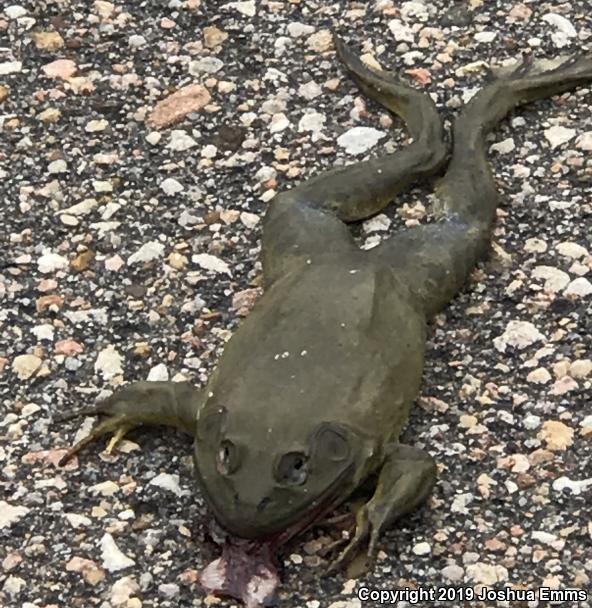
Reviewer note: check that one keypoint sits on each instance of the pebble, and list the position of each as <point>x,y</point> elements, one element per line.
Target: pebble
<point>180,141</point>
<point>213,36</point>
<point>487,574</point>
<point>485,36</point>
<point>25,366</point>
<point>136,41</point>
<point>579,288</point>
<point>460,502</point>
<point>243,301</point>
<point>102,186</point>
<point>152,250</point>
<point>422,548</point>
<point>249,220</point>
<point>358,140</point>
<point>10,67</point>
<point>15,11</point>
<point>170,186</point>
<point>531,422</point>
<point>109,363</point>
<point>113,558</point>
<point>535,245</point>
<point>245,7</point>
<point>168,482</point>
<point>159,372</point>
<point>175,107</point>
<point>539,376</point>
<point>169,590</point>
<point>571,250</point>
<point>400,31</point>
<point>580,369</point>
<point>57,166</point>
<point>584,141</point>
<point>77,521</point>
<point>562,24</point>
<point>278,123</point>
<point>209,151</point>
<point>557,136</point>
<point>576,486</point>
<point>61,68</point>
<point>310,90</point>
<point>312,121</point>
<point>104,9</point>
<point>518,334</point>
<point>555,279</point>
<point>557,435</point>
<point>378,223</point>
<point>503,147</point>
<point>320,41</point>
<point>453,573</point>
<point>96,125</point>
<point>207,65</point>
<point>211,262</point>
<point>297,29</point>
<point>43,332</point>
<point>122,590</point>
<point>105,488</point>
<point>153,138</point>
<point>13,585</point>
<point>47,41</point>
<point>10,514</point>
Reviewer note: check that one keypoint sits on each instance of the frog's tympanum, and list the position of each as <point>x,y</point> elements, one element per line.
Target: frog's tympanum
<point>312,391</point>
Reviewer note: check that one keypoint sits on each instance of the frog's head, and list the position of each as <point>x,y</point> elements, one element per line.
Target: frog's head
<point>262,482</point>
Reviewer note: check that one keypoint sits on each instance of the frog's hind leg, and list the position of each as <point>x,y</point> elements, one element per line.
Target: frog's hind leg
<point>308,219</point>
<point>170,403</point>
<point>435,260</point>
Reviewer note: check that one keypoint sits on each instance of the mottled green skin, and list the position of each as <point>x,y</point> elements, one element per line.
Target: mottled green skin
<point>330,359</point>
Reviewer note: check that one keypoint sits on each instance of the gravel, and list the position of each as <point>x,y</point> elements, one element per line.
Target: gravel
<point>139,143</point>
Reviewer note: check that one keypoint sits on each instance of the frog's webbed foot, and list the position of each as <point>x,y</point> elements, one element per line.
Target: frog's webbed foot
<point>405,481</point>
<point>114,424</point>
<point>170,403</point>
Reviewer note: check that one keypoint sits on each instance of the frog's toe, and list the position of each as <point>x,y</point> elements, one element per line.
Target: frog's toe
<point>353,548</point>
<point>113,424</point>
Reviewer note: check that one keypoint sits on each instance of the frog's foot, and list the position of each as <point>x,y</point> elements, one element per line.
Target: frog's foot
<point>116,424</point>
<point>170,403</point>
<point>406,479</point>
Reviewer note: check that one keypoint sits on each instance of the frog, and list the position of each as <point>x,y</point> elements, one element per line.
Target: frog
<point>312,392</point>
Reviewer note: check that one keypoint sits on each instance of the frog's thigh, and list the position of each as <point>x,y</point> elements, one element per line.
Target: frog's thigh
<point>405,481</point>
<point>434,260</point>
<point>295,231</point>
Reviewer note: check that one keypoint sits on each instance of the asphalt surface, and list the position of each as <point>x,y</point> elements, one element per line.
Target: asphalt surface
<point>135,255</point>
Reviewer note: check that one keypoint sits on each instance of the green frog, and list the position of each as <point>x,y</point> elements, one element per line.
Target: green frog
<point>311,394</point>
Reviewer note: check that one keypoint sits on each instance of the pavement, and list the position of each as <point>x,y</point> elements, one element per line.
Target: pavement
<point>140,144</point>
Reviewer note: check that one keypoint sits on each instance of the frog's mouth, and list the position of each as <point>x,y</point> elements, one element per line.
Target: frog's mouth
<point>289,527</point>
<point>246,570</point>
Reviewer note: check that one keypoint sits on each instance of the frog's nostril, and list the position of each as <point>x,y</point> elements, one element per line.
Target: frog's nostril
<point>263,504</point>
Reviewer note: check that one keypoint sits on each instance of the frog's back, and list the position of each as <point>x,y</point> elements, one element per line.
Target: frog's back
<point>334,342</point>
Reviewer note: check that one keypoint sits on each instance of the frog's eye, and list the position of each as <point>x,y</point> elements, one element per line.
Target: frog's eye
<point>292,468</point>
<point>332,444</point>
<point>227,458</point>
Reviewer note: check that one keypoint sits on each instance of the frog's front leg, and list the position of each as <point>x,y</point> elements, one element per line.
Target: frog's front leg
<point>169,403</point>
<point>405,481</point>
